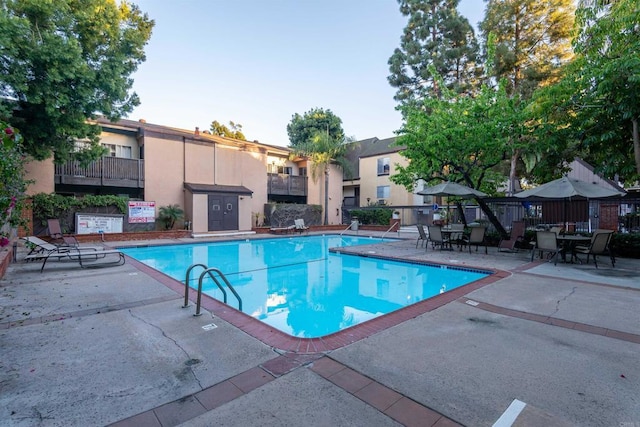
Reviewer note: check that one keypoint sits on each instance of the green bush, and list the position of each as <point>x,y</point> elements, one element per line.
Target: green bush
<point>47,206</point>
<point>378,216</point>
<point>626,245</point>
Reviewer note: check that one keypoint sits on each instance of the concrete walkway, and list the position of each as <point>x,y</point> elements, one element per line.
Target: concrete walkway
<point>558,345</point>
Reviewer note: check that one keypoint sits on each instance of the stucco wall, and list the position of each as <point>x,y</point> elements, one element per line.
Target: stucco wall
<point>369,181</point>
<point>164,168</point>
<point>200,160</point>
<point>200,213</point>
<point>42,174</point>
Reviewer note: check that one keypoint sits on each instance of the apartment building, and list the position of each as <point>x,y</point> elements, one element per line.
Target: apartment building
<point>221,183</point>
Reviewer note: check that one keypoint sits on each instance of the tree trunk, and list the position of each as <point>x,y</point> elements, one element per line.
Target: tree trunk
<point>461,212</point>
<point>492,218</point>
<point>636,144</point>
<point>512,173</point>
<point>326,195</point>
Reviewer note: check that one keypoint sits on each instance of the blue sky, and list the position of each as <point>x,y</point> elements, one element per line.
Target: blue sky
<point>257,62</point>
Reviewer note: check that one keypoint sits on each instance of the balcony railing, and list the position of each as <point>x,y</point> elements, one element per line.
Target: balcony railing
<point>107,172</point>
<point>286,185</point>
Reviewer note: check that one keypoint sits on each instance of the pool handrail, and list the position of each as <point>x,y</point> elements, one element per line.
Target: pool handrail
<point>222,276</point>
<point>186,282</point>
<point>391,228</point>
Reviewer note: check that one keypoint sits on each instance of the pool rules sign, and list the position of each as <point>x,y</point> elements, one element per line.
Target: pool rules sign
<point>142,212</point>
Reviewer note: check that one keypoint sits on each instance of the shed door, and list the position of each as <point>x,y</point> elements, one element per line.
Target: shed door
<point>223,212</point>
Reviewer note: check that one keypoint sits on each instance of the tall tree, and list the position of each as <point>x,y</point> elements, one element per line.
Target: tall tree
<point>64,62</point>
<point>302,129</point>
<point>436,35</point>
<point>323,150</point>
<point>234,130</point>
<point>530,42</point>
<point>533,41</point>
<point>607,79</point>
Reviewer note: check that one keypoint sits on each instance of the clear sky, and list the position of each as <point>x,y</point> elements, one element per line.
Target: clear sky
<point>258,62</point>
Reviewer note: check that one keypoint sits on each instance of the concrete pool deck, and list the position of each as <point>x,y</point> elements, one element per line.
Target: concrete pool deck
<point>112,346</point>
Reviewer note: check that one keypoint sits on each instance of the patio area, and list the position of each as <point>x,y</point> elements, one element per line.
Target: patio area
<point>114,346</point>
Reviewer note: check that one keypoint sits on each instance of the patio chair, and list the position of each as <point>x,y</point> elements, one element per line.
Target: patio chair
<point>599,246</point>
<point>299,226</point>
<point>422,235</point>
<point>476,237</point>
<point>55,232</point>
<point>283,230</point>
<point>436,237</point>
<point>516,236</point>
<point>546,241</point>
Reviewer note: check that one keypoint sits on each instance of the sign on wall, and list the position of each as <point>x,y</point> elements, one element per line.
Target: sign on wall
<point>142,212</point>
<point>87,223</point>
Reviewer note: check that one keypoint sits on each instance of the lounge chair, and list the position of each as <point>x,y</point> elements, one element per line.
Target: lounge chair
<point>84,255</point>
<point>283,230</point>
<point>436,237</point>
<point>299,226</point>
<point>55,232</point>
<point>599,246</point>
<point>516,236</point>
<point>422,235</point>
<point>476,237</point>
<point>546,241</point>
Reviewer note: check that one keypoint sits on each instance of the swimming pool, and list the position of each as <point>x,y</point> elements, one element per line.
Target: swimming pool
<point>297,286</point>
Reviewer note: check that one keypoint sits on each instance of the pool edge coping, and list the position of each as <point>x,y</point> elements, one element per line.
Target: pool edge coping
<point>284,342</point>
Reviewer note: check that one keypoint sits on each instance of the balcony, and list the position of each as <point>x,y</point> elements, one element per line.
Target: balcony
<point>106,172</point>
<point>286,185</point>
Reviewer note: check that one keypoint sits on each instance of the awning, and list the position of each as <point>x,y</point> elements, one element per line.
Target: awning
<point>212,188</point>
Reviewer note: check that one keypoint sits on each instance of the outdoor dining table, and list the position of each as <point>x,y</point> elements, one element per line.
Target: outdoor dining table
<point>569,243</point>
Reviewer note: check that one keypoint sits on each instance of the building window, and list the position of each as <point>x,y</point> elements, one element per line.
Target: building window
<point>122,151</point>
<point>383,166</point>
<point>382,192</point>
<point>302,171</point>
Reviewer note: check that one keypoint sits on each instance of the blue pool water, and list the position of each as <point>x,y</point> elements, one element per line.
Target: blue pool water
<point>297,286</point>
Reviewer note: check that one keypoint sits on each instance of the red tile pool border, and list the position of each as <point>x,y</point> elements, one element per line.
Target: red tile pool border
<point>285,342</point>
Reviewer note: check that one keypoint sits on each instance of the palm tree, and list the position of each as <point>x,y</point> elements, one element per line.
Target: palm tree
<point>323,150</point>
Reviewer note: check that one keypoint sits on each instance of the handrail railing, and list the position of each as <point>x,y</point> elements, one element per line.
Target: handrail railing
<point>391,228</point>
<point>345,230</point>
<point>222,276</point>
<point>186,283</point>
<point>210,272</point>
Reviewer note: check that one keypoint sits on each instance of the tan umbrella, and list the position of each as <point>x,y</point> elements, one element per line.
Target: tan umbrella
<point>566,188</point>
<point>451,189</point>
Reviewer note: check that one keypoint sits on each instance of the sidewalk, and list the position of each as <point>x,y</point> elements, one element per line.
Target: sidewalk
<point>96,347</point>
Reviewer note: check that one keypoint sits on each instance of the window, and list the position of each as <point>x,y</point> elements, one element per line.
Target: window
<point>123,151</point>
<point>111,149</point>
<point>383,166</point>
<point>382,192</point>
<point>303,171</point>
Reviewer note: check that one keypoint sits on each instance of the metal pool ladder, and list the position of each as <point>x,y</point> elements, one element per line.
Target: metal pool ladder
<point>215,274</point>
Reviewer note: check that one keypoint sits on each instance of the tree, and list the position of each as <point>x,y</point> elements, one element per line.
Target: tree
<point>234,130</point>
<point>462,139</point>
<point>436,35</point>
<point>169,215</point>
<point>64,62</point>
<point>606,80</point>
<point>528,42</point>
<point>303,129</point>
<point>533,41</point>
<point>323,150</point>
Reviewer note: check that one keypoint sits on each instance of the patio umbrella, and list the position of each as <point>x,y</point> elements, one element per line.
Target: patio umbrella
<point>566,188</point>
<point>451,189</point>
